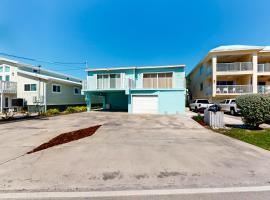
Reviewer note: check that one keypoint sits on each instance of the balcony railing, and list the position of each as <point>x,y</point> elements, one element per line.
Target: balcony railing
<point>233,89</point>
<point>8,87</point>
<point>234,67</point>
<point>265,67</point>
<point>121,84</point>
<point>264,89</point>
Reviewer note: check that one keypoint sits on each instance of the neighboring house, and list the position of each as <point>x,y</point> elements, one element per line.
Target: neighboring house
<point>154,89</point>
<point>37,86</point>
<point>229,71</point>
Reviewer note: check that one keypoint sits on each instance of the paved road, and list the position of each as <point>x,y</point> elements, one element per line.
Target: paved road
<point>128,152</point>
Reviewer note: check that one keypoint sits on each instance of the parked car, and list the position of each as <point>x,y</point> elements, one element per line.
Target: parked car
<point>198,105</point>
<point>229,105</point>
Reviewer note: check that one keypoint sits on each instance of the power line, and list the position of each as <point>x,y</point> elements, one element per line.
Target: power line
<point>63,64</point>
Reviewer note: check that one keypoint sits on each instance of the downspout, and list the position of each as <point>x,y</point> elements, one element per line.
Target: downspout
<point>45,95</point>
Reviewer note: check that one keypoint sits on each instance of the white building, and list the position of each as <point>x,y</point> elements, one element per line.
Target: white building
<point>229,71</point>
<point>37,86</point>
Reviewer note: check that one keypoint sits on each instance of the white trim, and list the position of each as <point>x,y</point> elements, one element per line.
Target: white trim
<point>143,67</point>
<point>130,193</point>
<point>57,86</point>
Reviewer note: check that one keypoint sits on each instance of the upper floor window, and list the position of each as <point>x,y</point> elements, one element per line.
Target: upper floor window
<point>157,80</point>
<point>30,87</point>
<point>1,68</point>
<point>7,68</point>
<point>77,91</point>
<point>201,87</point>
<point>35,70</point>
<point>108,81</point>
<point>56,88</point>
<point>1,78</point>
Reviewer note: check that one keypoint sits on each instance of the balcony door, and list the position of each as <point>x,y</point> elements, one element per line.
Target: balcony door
<point>108,81</point>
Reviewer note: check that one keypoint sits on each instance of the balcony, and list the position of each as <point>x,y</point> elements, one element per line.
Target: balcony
<point>265,67</point>
<point>233,89</point>
<point>8,87</point>
<point>264,89</point>
<point>234,67</point>
<point>121,84</point>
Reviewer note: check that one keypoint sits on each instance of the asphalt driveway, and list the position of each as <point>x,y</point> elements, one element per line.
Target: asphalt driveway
<point>127,152</point>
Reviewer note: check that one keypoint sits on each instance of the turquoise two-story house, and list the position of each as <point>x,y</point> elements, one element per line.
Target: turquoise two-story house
<point>150,89</point>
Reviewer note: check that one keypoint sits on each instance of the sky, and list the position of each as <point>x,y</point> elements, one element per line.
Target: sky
<point>113,33</point>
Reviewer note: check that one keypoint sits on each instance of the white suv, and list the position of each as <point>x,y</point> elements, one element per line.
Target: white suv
<point>198,105</point>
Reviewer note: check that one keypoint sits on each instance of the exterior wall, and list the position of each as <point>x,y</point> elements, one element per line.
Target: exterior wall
<point>65,97</point>
<point>117,100</point>
<point>169,101</point>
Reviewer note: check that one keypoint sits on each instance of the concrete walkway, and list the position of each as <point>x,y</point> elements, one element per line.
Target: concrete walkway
<point>129,152</point>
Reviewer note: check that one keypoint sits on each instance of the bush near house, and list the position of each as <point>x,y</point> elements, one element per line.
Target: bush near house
<point>53,111</point>
<point>255,109</point>
<point>74,109</point>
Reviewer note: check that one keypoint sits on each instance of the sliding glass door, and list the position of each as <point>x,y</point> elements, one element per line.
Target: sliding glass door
<point>108,81</point>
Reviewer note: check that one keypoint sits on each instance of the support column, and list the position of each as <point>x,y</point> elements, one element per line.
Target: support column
<point>255,75</point>
<point>1,103</point>
<point>214,75</point>
<point>104,101</point>
<point>88,101</point>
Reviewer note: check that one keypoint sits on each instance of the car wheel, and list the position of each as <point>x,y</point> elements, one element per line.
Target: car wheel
<point>232,111</point>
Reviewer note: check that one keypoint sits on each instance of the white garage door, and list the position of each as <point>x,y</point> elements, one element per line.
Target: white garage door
<point>145,104</point>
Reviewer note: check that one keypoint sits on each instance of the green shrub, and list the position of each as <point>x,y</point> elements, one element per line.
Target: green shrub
<point>255,108</point>
<point>52,111</point>
<point>74,109</point>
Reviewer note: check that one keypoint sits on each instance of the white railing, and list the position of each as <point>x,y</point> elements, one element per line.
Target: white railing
<point>8,87</point>
<point>233,89</point>
<point>234,67</point>
<point>123,84</point>
<point>265,67</point>
<point>264,89</point>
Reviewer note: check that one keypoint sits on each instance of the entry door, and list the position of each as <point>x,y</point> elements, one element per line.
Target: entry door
<point>145,104</point>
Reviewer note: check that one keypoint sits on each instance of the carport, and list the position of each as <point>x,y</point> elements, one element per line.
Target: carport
<point>111,100</point>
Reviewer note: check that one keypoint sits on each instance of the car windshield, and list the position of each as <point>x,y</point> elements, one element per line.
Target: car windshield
<point>203,101</point>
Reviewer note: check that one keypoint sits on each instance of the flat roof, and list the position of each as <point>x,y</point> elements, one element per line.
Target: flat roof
<point>134,67</point>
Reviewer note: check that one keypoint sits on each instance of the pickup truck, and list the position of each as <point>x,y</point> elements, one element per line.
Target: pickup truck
<point>198,105</point>
<point>229,105</point>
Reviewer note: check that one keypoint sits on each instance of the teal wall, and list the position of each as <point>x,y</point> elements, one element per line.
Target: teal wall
<point>117,100</point>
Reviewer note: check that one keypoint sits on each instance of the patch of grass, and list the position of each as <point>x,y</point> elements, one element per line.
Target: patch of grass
<point>260,138</point>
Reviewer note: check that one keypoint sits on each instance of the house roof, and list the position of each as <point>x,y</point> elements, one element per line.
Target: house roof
<point>134,67</point>
<point>48,77</point>
<point>18,64</point>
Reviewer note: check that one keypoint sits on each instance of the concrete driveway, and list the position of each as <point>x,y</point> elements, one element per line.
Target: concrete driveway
<point>127,152</point>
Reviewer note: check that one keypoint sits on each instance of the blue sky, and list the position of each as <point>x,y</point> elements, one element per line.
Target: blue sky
<point>128,33</point>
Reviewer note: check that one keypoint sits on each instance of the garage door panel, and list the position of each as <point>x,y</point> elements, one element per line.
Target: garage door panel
<point>145,104</point>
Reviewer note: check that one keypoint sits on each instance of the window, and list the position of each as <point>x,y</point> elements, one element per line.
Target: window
<point>201,70</point>
<point>157,80</point>
<point>1,68</point>
<point>30,87</point>
<point>1,78</point>
<point>7,68</point>
<point>201,87</point>
<point>108,81</point>
<point>35,70</point>
<point>77,91</point>
<point>7,78</point>
<point>56,88</point>
<point>204,101</point>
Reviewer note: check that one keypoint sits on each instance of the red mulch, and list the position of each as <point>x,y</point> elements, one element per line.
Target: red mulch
<point>67,137</point>
<point>201,122</point>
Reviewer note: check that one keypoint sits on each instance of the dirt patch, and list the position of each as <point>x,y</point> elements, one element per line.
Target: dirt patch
<point>67,137</point>
<point>111,175</point>
<point>168,174</point>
